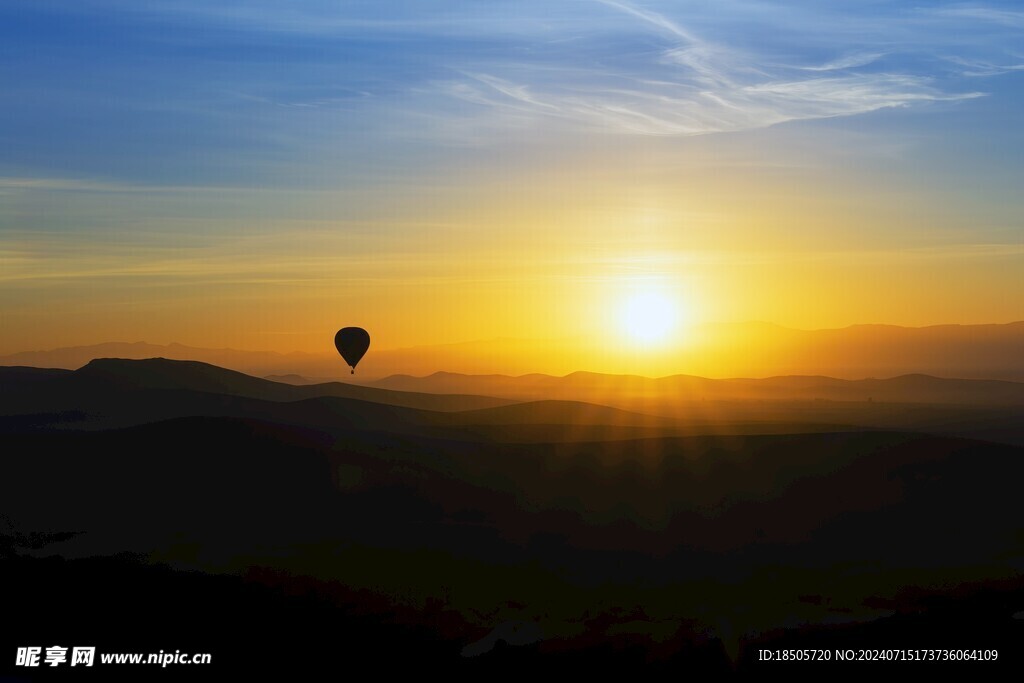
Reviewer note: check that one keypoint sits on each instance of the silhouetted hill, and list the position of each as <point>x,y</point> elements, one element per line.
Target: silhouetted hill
<point>251,362</point>
<point>559,412</point>
<point>616,389</point>
<point>110,393</point>
<point>40,389</point>
<point>160,373</point>
<point>297,380</point>
<point>678,536</point>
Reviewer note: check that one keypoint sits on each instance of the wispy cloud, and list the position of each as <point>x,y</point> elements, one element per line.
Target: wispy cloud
<point>847,62</point>
<point>244,93</point>
<point>653,18</point>
<point>59,184</point>
<point>69,184</point>
<point>667,108</point>
<point>981,67</point>
<point>663,77</point>
<point>1011,18</point>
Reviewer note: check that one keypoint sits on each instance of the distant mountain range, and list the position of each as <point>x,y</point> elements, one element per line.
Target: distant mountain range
<point>109,393</point>
<point>48,389</point>
<point>614,389</point>
<point>736,350</point>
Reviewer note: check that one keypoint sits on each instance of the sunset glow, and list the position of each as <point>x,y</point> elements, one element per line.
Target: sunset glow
<point>505,175</point>
<point>648,317</point>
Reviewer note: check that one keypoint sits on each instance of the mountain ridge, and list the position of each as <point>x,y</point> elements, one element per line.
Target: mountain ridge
<point>981,351</point>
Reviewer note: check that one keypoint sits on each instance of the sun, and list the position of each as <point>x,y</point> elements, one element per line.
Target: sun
<point>648,317</point>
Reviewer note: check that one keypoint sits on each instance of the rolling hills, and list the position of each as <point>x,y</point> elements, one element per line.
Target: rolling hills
<point>488,534</point>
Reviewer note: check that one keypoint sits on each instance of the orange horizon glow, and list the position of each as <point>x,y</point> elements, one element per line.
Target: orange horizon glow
<point>556,261</point>
<point>439,196</point>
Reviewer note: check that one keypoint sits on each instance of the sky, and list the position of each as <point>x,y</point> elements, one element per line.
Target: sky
<point>258,174</point>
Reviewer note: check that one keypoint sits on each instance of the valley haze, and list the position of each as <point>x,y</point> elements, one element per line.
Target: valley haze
<point>722,351</point>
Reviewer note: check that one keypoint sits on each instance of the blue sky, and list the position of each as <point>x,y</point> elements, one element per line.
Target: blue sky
<point>183,93</point>
<point>149,126</point>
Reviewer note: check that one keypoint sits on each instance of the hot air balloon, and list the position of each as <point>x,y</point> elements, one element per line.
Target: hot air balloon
<point>352,343</point>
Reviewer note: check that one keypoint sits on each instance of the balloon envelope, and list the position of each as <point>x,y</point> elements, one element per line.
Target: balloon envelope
<point>352,343</point>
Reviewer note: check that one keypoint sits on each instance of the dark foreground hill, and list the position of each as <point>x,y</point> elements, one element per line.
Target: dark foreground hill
<point>305,536</point>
